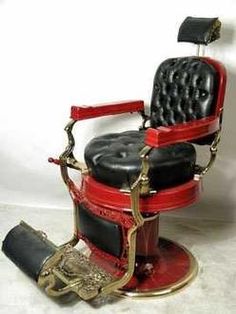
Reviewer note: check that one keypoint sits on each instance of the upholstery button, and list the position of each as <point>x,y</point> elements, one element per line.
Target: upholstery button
<point>198,81</point>
<point>176,76</point>
<point>121,154</point>
<point>203,93</point>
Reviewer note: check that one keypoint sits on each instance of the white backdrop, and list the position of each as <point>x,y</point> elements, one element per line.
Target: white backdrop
<point>55,53</point>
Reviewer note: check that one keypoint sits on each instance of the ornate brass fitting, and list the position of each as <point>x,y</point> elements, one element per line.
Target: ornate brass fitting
<point>71,271</point>
<point>201,171</point>
<point>144,180</point>
<point>67,158</point>
<point>68,270</point>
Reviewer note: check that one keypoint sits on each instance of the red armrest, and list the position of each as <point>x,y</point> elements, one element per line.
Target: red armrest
<point>83,112</point>
<point>164,136</point>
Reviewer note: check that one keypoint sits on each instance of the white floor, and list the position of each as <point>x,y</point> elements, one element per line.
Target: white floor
<point>213,291</point>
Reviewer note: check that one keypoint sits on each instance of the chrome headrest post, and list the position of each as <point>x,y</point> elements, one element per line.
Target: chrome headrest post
<point>201,50</point>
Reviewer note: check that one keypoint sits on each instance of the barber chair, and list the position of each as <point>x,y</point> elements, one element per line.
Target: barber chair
<point>130,178</point>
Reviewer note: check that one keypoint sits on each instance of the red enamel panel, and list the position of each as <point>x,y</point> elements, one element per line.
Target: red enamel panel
<point>84,112</point>
<point>222,82</point>
<point>167,199</point>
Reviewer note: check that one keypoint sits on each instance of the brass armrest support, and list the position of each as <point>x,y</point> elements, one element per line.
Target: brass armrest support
<point>67,158</point>
<point>200,171</point>
<point>144,154</point>
<point>145,119</point>
<point>139,187</point>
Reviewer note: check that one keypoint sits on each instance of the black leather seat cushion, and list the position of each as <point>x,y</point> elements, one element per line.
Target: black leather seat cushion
<point>113,159</point>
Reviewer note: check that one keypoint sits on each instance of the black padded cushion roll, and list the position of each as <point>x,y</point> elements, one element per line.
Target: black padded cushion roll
<point>184,90</point>
<point>105,234</point>
<point>28,250</point>
<point>199,30</point>
<point>113,159</point>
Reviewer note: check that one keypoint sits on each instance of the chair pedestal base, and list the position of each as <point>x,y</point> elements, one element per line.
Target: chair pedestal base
<point>172,269</point>
<point>161,266</point>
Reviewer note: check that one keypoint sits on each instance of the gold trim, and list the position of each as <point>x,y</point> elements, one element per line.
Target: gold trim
<point>67,158</point>
<point>68,270</point>
<point>138,222</point>
<point>213,152</point>
<point>144,154</point>
<point>201,171</point>
<point>170,289</point>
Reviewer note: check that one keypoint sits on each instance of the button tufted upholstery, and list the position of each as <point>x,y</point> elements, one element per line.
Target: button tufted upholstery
<point>184,90</point>
<point>113,159</point>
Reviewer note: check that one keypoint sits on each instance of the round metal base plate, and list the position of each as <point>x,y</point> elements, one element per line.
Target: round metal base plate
<point>171,270</point>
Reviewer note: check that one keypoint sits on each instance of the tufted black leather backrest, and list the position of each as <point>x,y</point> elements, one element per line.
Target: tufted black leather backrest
<point>184,90</point>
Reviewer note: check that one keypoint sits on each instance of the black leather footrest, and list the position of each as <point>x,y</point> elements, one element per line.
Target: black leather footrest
<point>28,249</point>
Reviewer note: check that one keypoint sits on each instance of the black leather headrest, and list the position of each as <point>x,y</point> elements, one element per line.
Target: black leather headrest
<point>199,30</point>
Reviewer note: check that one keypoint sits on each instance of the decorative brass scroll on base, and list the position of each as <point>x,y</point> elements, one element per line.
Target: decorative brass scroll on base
<point>71,271</point>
